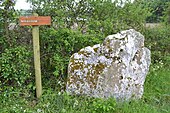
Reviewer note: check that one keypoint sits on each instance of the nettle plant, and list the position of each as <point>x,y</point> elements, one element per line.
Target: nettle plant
<point>102,106</point>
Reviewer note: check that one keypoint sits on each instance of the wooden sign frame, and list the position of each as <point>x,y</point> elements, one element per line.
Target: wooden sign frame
<point>34,20</point>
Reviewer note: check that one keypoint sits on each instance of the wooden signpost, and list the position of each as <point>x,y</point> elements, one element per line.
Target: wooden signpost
<point>36,21</point>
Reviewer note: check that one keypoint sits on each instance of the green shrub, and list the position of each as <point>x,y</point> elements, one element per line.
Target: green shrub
<point>109,18</point>
<point>166,17</point>
<point>57,46</point>
<point>157,40</point>
<point>15,66</point>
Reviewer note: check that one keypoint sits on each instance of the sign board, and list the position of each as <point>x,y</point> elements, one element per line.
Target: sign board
<point>34,20</point>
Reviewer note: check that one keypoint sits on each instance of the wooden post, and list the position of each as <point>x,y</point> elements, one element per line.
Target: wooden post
<point>37,65</point>
<point>36,21</point>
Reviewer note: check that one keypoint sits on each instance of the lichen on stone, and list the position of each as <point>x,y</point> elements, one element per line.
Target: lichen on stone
<point>116,68</point>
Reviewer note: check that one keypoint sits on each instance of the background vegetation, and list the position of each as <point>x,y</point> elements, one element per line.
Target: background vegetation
<point>76,25</point>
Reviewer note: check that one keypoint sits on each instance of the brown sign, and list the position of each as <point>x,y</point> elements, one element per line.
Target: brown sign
<point>34,20</point>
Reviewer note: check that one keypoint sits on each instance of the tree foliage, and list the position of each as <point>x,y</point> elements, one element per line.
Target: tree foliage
<point>157,8</point>
<point>7,15</point>
<point>104,16</point>
<point>167,14</point>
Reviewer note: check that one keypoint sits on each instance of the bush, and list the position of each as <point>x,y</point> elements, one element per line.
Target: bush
<point>166,17</point>
<point>157,40</point>
<point>57,46</point>
<point>15,66</point>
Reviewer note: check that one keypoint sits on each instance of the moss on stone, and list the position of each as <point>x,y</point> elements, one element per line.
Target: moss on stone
<point>95,49</point>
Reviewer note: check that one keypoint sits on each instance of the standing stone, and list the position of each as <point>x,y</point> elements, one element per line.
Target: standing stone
<point>116,68</point>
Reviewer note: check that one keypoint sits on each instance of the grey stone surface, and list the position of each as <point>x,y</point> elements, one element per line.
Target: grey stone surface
<point>116,68</point>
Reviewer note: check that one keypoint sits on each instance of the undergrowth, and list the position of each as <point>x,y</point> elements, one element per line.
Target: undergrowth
<point>156,99</point>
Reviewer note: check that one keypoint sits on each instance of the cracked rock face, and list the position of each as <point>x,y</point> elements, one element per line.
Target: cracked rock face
<point>116,68</point>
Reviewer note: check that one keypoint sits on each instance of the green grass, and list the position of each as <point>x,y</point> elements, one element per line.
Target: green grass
<point>156,99</point>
